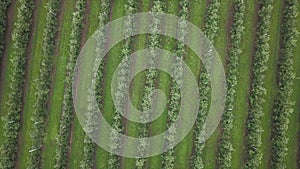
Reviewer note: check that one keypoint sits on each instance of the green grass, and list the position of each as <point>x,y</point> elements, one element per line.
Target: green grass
<point>293,131</point>
<point>76,153</point>
<point>5,89</point>
<point>220,43</point>
<point>271,84</point>
<point>56,98</point>
<point>32,73</point>
<point>241,105</point>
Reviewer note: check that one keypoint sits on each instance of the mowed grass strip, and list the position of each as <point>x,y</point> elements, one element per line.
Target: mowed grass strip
<point>271,83</point>
<point>57,86</point>
<point>91,24</point>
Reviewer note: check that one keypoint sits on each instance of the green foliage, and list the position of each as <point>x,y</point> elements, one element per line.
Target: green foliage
<point>18,60</point>
<point>284,104</point>
<point>68,112</point>
<point>225,145</point>
<point>3,19</point>
<point>258,90</point>
<point>43,86</point>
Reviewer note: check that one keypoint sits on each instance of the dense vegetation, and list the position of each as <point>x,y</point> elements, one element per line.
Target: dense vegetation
<point>3,8</point>
<point>225,145</point>
<point>18,59</point>
<point>68,110</point>
<point>284,105</point>
<point>258,91</point>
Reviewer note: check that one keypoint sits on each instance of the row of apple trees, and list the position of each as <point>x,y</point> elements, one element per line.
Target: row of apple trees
<point>20,40</point>
<point>284,105</point>
<point>151,78</point>
<point>88,160</point>
<point>169,157</point>
<point>3,20</point>
<point>43,85</point>
<point>113,162</point>
<point>225,145</point>
<point>211,28</point>
<point>258,91</point>
<point>68,111</point>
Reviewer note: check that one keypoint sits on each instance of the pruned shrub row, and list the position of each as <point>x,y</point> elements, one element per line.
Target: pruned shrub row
<point>225,145</point>
<point>258,90</point>
<point>284,105</point>
<point>63,136</point>
<point>20,40</point>
<point>43,86</point>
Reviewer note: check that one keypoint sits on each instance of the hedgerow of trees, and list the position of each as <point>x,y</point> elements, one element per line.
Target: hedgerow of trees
<point>258,91</point>
<point>20,40</point>
<point>43,86</point>
<point>225,145</point>
<point>283,107</point>
<point>151,77</point>
<point>211,27</point>
<point>88,160</point>
<point>68,111</point>
<point>168,161</point>
<point>3,20</point>
<point>113,162</point>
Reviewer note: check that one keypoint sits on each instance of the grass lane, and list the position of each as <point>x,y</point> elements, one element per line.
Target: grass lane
<point>57,91</point>
<point>77,143</point>
<point>271,83</point>
<point>241,105</point>
<point>32,73</point>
